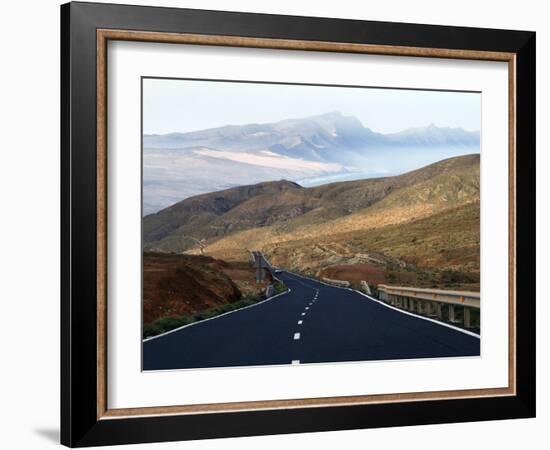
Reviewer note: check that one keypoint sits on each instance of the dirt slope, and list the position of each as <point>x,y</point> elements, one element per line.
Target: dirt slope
<point>175,285</point>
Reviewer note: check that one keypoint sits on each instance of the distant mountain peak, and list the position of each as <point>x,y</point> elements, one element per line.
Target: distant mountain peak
<point>433,135</point>
<point>296,149</point>
<point>304,137</point>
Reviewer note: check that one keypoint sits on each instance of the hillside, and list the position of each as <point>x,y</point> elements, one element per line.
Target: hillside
<point>426,221</point>
<point>289,206</point>
<point>437,250</point>
<point>183,285</point>
<point>177,227</point>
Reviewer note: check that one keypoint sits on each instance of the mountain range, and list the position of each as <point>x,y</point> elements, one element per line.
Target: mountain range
<point>180,165</point>
<point>310,138</point>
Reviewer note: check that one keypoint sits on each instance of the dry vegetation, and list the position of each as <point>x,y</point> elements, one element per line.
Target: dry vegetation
<point>419,229</point>
<point>426,234</point>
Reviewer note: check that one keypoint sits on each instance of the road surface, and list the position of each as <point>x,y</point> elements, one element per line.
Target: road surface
<point>312,323</point>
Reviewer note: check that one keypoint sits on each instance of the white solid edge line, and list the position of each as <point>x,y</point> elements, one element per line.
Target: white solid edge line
<point>215,317</point>
<point>443,324</point>
<point>295,362</point>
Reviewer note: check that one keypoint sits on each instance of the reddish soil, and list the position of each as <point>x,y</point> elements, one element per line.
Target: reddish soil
<point>176,285</point>
<point>354,273</point>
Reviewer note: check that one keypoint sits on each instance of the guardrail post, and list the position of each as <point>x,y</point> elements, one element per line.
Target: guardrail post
<point>467,317</point>
<point>259,269</point>
<point>428,308</point>
<point>411,304</point>
<point>452,313</point>
<point>365,287</point>
<point>438,312</point>
<point>420,307</point>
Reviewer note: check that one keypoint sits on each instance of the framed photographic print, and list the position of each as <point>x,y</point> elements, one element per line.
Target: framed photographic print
<point>276,224</point>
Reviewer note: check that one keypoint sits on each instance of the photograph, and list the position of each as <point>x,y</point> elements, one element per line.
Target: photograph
<point>291,224</point>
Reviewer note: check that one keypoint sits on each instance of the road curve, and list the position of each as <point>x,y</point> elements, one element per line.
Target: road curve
<point>312,323</point>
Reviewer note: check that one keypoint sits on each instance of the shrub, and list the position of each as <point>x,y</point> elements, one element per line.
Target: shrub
<point>169,323</point>
<point>151,329</point>
<point>279,287</point>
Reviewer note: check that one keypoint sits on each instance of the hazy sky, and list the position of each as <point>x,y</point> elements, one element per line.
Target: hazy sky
<point>188,105</point>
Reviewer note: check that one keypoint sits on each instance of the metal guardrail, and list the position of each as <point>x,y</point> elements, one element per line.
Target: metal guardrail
<point>340,283</point>
<point>430,301</point>
<point>461,298</point>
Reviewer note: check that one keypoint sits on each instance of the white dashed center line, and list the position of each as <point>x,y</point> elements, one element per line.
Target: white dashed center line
<point>303,314</point>
<point>300,322</point>
<point>307,307</point>
<point>296,336</point>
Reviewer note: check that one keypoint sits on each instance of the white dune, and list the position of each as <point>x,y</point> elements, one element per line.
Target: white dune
<point>265,159</point>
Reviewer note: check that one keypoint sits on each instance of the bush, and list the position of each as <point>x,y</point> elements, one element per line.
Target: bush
<point>151,329</point>
<point>169,323</point>
<point>199,316</point>
<point>164,324</point>
<point>279,287</point>
<point>249,299</point>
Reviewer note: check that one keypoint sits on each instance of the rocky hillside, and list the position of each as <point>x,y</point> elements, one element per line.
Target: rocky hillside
<point>179,226</point>
<point>288,207</point>
<point>412,226</point>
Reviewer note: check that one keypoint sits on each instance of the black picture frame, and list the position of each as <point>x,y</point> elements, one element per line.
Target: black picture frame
<point>80,425</point>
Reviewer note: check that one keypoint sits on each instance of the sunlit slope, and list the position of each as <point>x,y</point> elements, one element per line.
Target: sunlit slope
<point>428,218</point>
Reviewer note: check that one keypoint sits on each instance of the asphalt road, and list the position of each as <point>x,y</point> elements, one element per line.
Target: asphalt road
<point>312,323</point>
